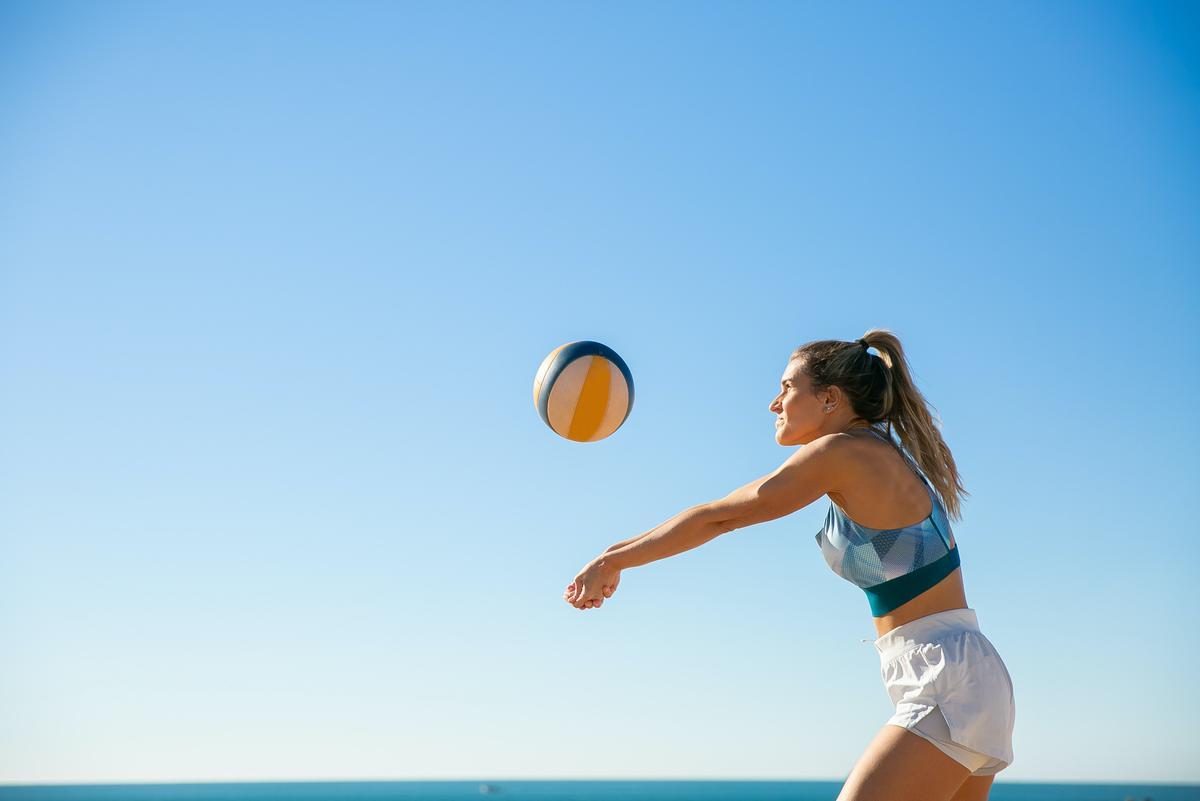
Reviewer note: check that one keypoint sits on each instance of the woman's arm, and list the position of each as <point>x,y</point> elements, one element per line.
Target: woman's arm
<point>684,531</point>
<point>629,541</point>
<point>806,475</point>
<point>689,529</point>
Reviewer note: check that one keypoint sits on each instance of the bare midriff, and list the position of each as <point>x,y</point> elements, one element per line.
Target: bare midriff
<point>947,594</point>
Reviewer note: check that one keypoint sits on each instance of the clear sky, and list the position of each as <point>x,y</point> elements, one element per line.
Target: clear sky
<point>275,502</point>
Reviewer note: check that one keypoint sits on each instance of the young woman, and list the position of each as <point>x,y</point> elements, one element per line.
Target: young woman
<point>888,532</point>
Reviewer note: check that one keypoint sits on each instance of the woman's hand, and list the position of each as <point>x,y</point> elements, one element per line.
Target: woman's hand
<point>598,580</point>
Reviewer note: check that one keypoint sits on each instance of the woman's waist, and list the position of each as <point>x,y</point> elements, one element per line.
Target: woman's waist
<point>933,628</point>
<point>946,596</point>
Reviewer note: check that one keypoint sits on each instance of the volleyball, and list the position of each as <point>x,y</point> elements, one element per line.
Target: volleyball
<point>583,391</point>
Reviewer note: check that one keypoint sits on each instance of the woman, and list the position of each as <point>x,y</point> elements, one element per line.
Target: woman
<point>952,729</point>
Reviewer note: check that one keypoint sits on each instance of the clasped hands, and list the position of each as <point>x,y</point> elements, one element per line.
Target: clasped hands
<point>598,580</point>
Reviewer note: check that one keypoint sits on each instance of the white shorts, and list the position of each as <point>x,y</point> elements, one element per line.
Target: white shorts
<point>950,686</point>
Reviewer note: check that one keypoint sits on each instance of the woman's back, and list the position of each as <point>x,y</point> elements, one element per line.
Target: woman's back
<point>884,498</point>
<point>884,491</point>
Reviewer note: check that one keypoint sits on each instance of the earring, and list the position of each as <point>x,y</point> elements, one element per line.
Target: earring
<point>828,409</point>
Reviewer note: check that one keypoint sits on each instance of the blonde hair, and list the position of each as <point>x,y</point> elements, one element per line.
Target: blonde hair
<point>880,389</point>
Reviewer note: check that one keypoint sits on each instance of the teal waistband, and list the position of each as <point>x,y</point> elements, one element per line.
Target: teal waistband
<point>898,591</point>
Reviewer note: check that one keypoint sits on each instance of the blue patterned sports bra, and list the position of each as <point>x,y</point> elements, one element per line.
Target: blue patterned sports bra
<point>893,565</point>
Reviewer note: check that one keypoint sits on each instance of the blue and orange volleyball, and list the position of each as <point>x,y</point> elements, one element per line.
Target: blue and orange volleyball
<point>583,391</point>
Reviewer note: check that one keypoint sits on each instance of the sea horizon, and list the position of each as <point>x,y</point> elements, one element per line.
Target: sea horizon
<point>556,790</point>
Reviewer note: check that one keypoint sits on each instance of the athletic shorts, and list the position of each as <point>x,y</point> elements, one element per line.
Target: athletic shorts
<point>950,686</point>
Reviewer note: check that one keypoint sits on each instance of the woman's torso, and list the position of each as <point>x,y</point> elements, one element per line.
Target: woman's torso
<point>885,493</point>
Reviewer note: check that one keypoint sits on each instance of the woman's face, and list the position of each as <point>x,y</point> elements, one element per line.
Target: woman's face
<point>800,413</point>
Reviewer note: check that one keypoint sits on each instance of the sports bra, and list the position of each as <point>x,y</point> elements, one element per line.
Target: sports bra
<point>892,565</point>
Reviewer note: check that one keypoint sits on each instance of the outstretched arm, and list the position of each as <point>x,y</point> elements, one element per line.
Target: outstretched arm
<point>607,589</point>
<point>806,475</point>
<point>689,529</point>
<point>629,541</point>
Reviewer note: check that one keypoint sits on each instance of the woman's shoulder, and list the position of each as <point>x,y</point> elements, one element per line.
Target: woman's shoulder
<point>868,442</point>
<point>876,474</point>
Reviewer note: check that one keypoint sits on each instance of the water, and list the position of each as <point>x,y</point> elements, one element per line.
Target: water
<point>557,791</point>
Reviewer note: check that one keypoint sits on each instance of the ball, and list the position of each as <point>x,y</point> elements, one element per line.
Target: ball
<point>583,391</point>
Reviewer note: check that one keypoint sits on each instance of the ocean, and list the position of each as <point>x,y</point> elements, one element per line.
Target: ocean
<point>665,790</point>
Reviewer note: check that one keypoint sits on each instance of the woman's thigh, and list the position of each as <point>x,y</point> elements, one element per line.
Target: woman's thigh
<point>901,766</point>
<point>975,788</point>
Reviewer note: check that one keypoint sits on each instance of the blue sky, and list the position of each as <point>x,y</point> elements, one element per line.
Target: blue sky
<point>274,282</point>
